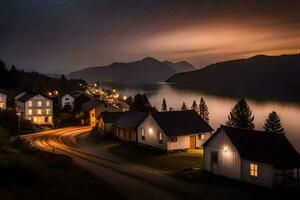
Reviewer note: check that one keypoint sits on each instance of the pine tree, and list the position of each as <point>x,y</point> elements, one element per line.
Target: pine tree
<point>171,109</point>
<point>183,107</point>
<point>164,106</point>
<point>203,110</point>
<point>273,124</point>
<point>241,116</point>
<point>194,106</point>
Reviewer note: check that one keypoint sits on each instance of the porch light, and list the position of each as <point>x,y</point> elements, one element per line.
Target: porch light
<point>150,130</point>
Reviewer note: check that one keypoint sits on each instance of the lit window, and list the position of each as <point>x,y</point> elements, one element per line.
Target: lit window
<point>143,134</point>
<point>49,119</point>
<point>39,104</point>
<point>47,103</point>
<point>29,103</point>
<point>39,111</point>
<point>48,111</point>
<point>1,105</point>
<point>201,137</point>
<point>160,138</point>
<point>253,170</point>
<point>29,112</point>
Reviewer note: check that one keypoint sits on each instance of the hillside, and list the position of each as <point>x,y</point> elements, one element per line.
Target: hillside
<point>147,70</point>
<point>15,80</point>
<point>258,76</point>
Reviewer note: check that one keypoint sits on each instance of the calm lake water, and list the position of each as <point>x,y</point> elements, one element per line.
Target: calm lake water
<point>219,106</point>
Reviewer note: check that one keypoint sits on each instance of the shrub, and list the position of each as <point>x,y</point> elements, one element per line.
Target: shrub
<point>58,161</point>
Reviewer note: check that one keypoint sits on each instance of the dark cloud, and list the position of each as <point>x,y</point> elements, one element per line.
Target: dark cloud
<point>65,34</point>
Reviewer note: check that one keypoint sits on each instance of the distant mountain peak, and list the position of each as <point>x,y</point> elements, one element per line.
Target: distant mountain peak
<point>150,59</point>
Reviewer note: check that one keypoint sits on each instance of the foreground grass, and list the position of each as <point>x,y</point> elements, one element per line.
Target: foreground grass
<point>171,162</point>
<point>28,173</point>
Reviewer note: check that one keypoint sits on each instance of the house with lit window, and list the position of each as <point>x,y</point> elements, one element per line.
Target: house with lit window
<point>126,126</point>
<point>172,131</point>
<point>35,107</point>
<point>67,100</point>
<point>3,100</point>
<point>107,121</point>
<point>257,157</point>
<point>94,108</point>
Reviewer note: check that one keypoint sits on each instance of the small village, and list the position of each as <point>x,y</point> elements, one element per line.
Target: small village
<point>257,157</point>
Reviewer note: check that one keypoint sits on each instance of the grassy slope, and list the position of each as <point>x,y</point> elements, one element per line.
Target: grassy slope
<point>169,162</point>
<point>31,174</point>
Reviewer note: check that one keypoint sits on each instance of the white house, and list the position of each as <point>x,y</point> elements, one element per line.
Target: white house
<point>107,121</point>
<point>176,130</point>
<point>3,100</point>
<point>126,127</point>
<point>67,100</point>
<point>35,107</point>
<point>257,157</point>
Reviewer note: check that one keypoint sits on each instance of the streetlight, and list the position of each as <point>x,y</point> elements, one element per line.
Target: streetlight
<point>19,115</point>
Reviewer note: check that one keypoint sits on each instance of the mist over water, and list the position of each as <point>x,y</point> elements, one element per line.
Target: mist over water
<point>219,106</point>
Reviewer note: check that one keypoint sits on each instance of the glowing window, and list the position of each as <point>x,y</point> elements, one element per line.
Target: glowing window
<point>47,103</point>
<point>48,111</point>
<point>143,134</point>
<point>160,138</point>
<point>29,103</point>
<point>39,111</point>
<point>29,112</point>
<point>201,137</point>
<point>39,104</point>
<point>253,170</point>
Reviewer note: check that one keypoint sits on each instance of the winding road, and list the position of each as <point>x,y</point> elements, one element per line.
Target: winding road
<point>135,181</point>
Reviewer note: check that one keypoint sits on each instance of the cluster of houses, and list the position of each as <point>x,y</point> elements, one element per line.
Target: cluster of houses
<point>252,156</point>
<point>257,157</point>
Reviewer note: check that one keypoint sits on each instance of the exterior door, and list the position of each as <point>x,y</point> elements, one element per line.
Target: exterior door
<point>214,162</point>
<point>193,142</point>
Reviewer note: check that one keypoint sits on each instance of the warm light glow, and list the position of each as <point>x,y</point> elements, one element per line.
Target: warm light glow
<point>225,149</point>
<point>124,98</point>
<point>50,93</point>
<point>150,130</point>
<point>114,90</point>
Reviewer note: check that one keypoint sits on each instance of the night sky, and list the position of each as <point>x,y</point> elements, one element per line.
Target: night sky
<point>65,35</point>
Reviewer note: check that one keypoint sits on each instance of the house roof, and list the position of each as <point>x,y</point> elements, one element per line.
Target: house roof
<point>176,123</point>
<point>130,119</point>
<point>90,105</point>
<point>260,146</point>
<point>28,96</point>
<point>111,117</point>
<point>3,91</point>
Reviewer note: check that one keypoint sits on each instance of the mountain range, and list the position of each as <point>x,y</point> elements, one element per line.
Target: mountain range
<point>259,76</point>
<point>147,70</point>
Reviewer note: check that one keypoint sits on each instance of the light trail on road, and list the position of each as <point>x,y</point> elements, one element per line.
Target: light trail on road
<point>131,179</point>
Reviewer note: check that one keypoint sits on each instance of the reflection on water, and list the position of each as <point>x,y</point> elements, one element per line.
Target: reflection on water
<point>219,106</point>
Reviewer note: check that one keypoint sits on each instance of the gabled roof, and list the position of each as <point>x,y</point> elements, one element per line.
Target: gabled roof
<point>111,117</point>
<point>130,119</point>
<point>264,147</point>
<point>90,105</point>
<point>28,96</point>
<point>176,123</point>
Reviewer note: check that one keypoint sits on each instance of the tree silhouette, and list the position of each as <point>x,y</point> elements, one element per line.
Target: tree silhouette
<point>142,104</point>
<point>273,123</point>
<point>171,109</point>
<point>164,106</point>
<point>194,106</point>
<point>183,107</point>
<point>241,116</point>
<point>203,110</point>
